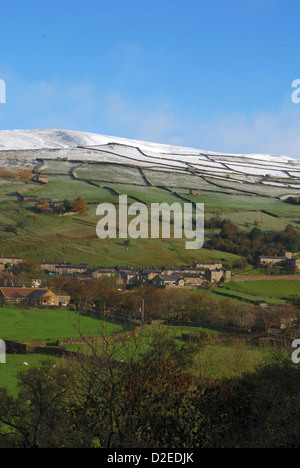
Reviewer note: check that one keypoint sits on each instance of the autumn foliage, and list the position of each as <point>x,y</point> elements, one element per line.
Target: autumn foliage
<point>79,205</point>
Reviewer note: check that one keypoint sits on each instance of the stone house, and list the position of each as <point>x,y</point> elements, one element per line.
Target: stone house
<point>284,258</point>
<point>99,272</point>
<point>193,279</point>
<point>65,270</point>
<point>148,274</point>
<point>196,192</point>
<point>129,277</point>
<point>51,266</point>
<point>161,281</point>
<point>28,198</point>
<point>29,296</point>
<point>208,265</point>
<point>214,276</point>
<point>269,260</point>
<point>10,260</point>
<point>63,299</point>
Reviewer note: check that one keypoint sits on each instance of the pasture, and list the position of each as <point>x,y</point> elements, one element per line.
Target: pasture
<point>272,288</point>
<point>49,325</point>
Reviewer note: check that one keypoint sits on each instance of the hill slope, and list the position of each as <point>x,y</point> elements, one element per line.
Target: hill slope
<point>248,189</point>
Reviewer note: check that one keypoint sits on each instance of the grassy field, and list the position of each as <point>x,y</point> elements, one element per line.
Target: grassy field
<point>109,173</point>
<point>241,295</point>
<point>47,325</point>
<point>274,288</point>
<point>50,325</point>
<point>224,361</point>
<point>211,361</point>
<point>15,364</point>
<point>221,202</point>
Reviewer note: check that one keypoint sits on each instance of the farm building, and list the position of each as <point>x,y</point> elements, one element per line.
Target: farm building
<point>28,198</point>
<point>167,281</point>
<point>196,192</point>
<point>284,258</point>
<point>29,296</point>
<point>214,276</point>
<point>208,265</point>
<point>10,260</point>
<point>192,279</point>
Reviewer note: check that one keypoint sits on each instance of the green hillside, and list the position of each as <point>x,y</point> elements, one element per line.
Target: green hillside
<point>38,236</point>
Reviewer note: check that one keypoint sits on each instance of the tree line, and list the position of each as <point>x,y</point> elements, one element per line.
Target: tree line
<point>253,244</point>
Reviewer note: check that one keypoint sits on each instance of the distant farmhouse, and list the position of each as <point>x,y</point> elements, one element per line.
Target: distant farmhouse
<point>196,192</point>
<point>285,258</point>
<point>45,205</point>
<point>28,198</point>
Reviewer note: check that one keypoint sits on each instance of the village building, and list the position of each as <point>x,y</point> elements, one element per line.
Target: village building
<point>215,276</point>
<point>63,268</point>
<point>12,260</point>
<point>285,258</point>
<point>27,198</point>
<point>208,265</point>
<point>147,275</point>
<point>296,263</point>
<point>129,278</point>
<point>51,266</point>
<point>196,192</point>
<point>190,270</point>
<point>167,270</point>
<point>47,205</point>
<point>99,272</point>
<point>167,281</point>
<point>66,270</point>
<point>63,299</point>
<point>193,279</point>
<point>35,297</point>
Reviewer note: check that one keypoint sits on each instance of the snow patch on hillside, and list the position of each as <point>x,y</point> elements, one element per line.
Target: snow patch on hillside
<point>11,140</point>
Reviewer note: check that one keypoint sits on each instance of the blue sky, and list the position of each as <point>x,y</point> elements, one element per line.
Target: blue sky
<point>211,74</point>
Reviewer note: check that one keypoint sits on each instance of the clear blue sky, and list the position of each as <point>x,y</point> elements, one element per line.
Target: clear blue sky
<point>212,74</point>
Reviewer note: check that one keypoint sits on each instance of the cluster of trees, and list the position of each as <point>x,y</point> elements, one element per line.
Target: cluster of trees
<point>77,205</point>
<point>150,400</point>
<point>104,294</point>
<point>22,274</point>
<point>167,304</point>
<point>254,243</point>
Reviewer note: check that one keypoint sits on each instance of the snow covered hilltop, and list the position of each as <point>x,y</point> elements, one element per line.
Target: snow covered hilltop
<point>25,147</point>
<point>65,139</point>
